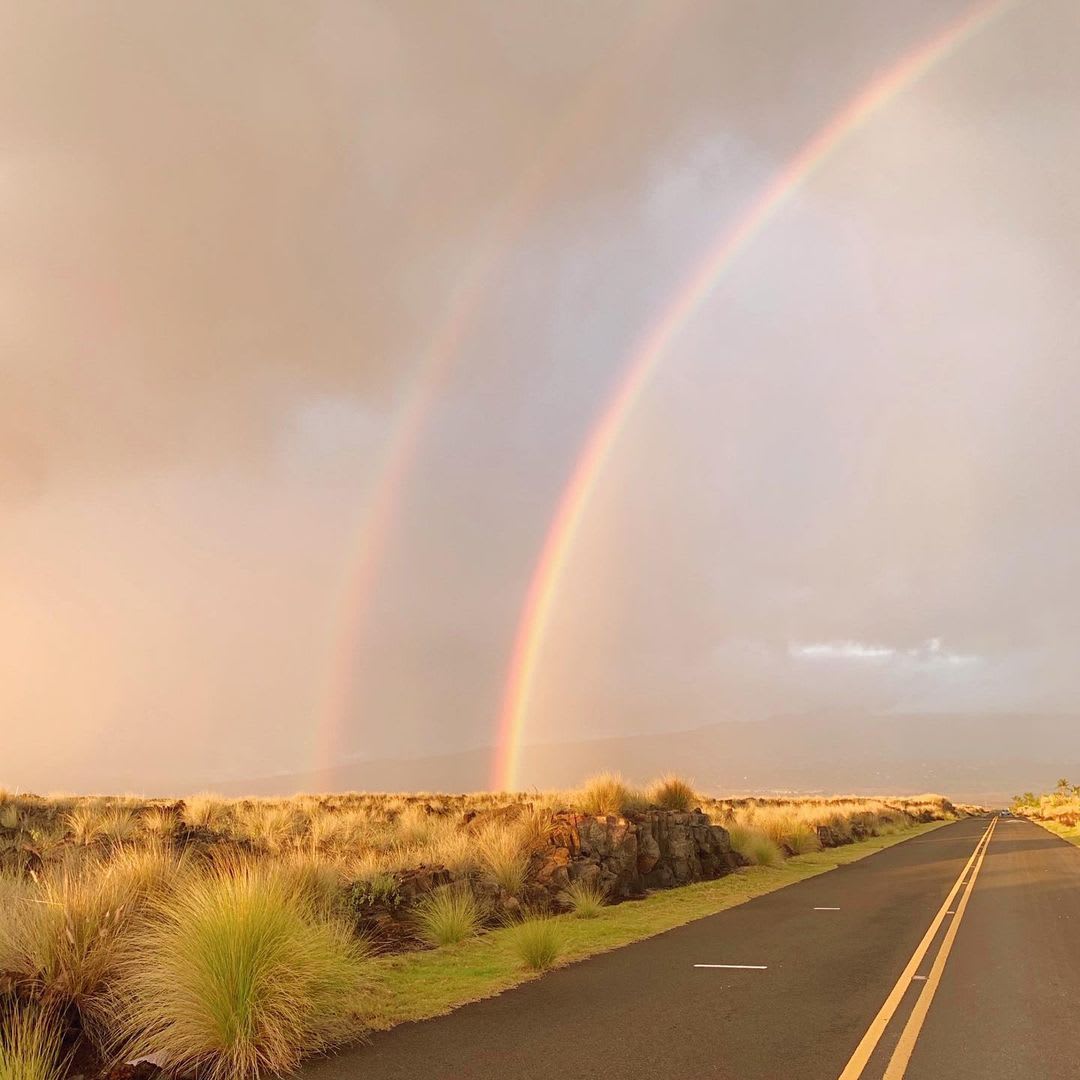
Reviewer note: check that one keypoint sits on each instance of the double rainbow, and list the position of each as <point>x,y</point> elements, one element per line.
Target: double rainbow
<point>578,123</point>
<point>564,527</point>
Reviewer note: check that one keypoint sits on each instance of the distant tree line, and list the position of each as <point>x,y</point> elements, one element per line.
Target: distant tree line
<point>1063,792</point>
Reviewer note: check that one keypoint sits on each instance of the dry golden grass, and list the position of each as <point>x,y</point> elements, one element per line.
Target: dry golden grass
<point>391,833</point>
<point>672,792</point>
<point>210,931</point>
<point>159,822</point>
<point>608,794</point>
<point>754,846</point>
<point>503,857</point>
<point>61,936</point>
<point>205,811</point>
<point>791,825</point>
<point>234,975</point>
<point>30,1042</point>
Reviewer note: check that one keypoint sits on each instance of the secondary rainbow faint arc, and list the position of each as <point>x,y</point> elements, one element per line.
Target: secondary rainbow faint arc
<point>376,525</point>
<point>651,348</point>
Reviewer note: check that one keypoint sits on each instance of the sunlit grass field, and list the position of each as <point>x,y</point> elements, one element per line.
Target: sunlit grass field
<point>1058,810</point>
<point>224,938</point>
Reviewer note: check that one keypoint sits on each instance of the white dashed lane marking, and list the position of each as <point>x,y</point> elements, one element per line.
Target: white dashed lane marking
<point>741,967</point>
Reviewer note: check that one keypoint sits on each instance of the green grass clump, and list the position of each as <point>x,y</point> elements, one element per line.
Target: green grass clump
<point>538,942</point>
<point>586,898</point>
<point>448,915</point>
<point>30,1040</point>
<point>754,846</point>
<point>236,975</point>
<point>673,793</point>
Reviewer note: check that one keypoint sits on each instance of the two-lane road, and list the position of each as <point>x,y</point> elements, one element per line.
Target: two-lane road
<point>1009,1002</point>
<point>953,954</point>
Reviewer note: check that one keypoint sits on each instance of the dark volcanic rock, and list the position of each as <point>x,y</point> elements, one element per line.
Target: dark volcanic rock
<point>626,856</point>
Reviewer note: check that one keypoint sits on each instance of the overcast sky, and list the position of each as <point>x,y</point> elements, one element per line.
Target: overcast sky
<point>232,232</point>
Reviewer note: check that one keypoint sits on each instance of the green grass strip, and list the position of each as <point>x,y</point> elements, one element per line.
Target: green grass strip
<point>419,985</point>
<point>1066,832</point>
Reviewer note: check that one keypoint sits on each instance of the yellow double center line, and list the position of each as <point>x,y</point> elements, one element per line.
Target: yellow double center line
<point>902,1054</point>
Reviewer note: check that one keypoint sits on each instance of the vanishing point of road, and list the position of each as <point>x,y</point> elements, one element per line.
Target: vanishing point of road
<point>955,954</point>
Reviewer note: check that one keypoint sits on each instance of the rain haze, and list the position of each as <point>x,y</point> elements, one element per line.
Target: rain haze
<point>309,313</point>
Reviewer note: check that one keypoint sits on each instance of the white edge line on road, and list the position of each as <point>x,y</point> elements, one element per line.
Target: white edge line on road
<point>743,967</point>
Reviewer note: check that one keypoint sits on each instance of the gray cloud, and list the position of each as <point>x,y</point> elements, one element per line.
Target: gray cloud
<point>232,233</point>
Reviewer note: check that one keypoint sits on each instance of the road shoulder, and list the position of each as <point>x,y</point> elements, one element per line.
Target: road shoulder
<point>421,985</point>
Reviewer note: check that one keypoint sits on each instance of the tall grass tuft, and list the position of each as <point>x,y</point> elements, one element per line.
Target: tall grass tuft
<point>586,898</point>
<point>30,1040</point>
<point>276,827</point>
<point>139,875</point>
<point>159,822</point>
<point>456,850</point>
<point>60,940</point>
<point>82,823</point>
<point>205,811</point>
<point>671,792</point>
<point>236,976</point>
<point>538,941</point>
<point>608,793</point>
<point>321,881</point>
<point>502,854</point>
<point>414,826</point>
<point>802,839</point>
<point>754,846</point>
<point>448,915</point>
<point>118,826</point>
<point>534,826</point>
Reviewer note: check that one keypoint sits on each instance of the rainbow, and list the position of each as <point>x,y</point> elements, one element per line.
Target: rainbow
<point>574,501</point>
<point>578,122</point>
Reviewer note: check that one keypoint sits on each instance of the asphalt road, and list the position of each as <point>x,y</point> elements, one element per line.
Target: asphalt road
<point>954,954</point>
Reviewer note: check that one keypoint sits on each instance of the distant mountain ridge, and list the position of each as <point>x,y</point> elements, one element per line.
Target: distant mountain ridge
<point>969,757</point>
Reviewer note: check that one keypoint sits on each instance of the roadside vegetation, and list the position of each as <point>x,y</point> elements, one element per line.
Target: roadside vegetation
<point>538,941</point>
<point>30,1043</point>
<point>419,985</point>
<point>1057,810</point>
<point>585,898</point>
<point>226,938</point>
